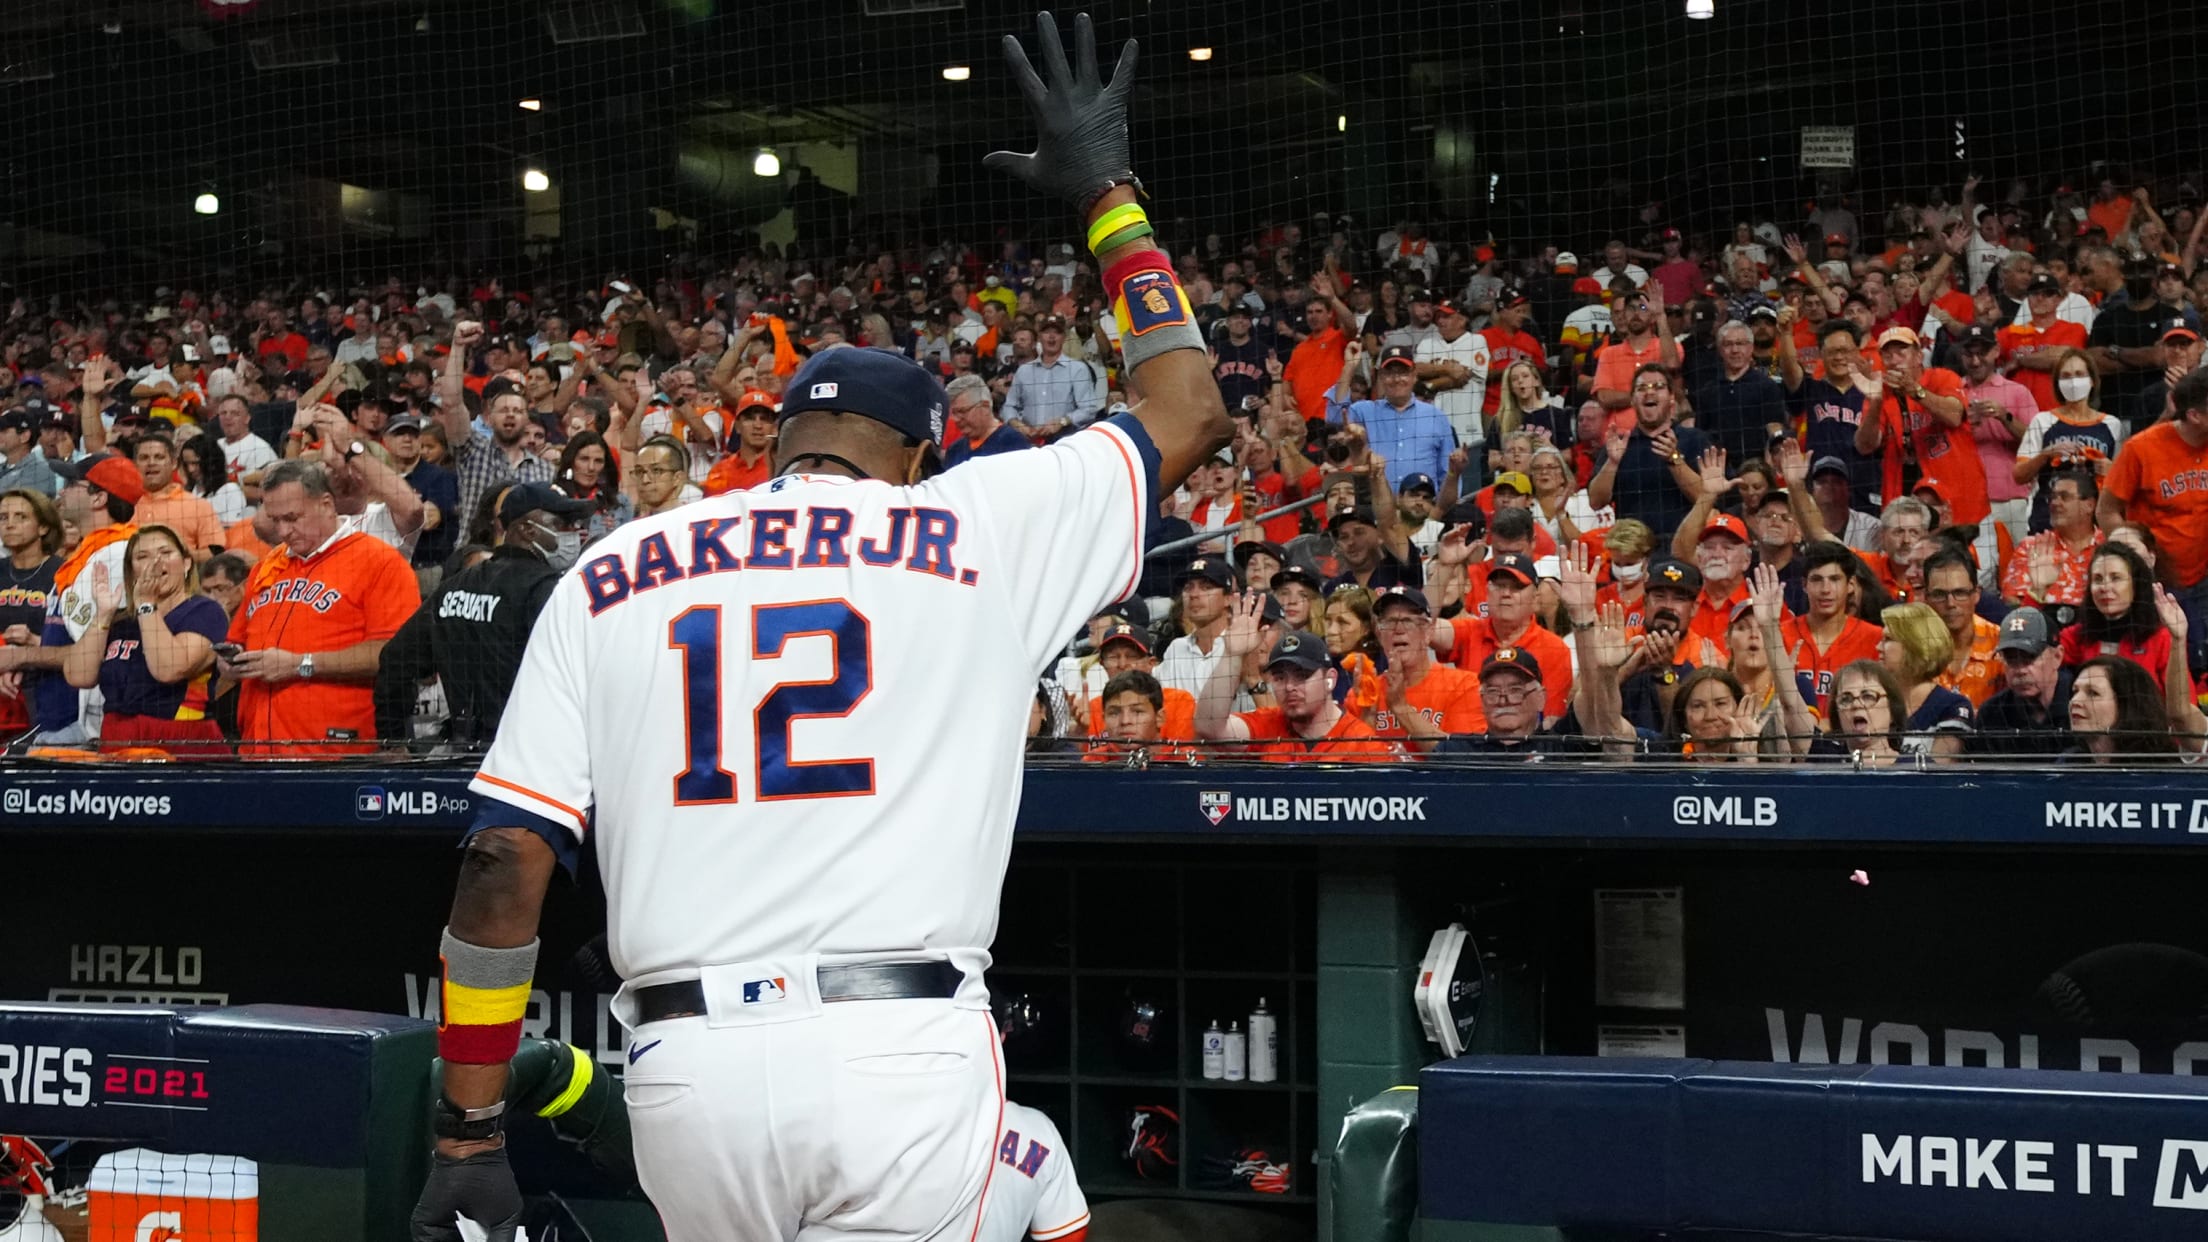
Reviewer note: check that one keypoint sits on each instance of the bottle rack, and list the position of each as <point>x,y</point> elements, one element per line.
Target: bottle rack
<point>1201,941</point>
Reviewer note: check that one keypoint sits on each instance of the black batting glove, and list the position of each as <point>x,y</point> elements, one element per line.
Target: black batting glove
<point>1082,148</point>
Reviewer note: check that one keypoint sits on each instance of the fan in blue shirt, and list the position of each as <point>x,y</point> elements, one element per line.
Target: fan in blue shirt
<point>1413,435</point>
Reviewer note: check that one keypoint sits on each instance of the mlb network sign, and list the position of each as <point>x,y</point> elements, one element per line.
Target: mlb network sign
<point>2103,1170</point>
<point>1220,805</point>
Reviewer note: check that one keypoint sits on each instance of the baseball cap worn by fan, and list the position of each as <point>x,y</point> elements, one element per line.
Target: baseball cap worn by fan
<point>2044,283</point>
<point>1514,565</point>
<point>1417,482</point>
<point>1724,524</point>
<point>1674,575</point>
<point>2025,632</point>
<point>1356,513</point>
<point>1829,465</point>
<point>1976,337</point>
<point>1566,261</point>
<point>1125,633</point>
<point>2179,330</point>
<point>525,498</point>
<point>1299,649</point>
<point>1897,336</point>
<point>1398,356</point>
<point>888,388</point>
<point>17,420</point>
<point>1212,569</point>
<point>105,471</point>
<point>1407,595</point>
<point>1511,659</point>
<point>1516,481</point>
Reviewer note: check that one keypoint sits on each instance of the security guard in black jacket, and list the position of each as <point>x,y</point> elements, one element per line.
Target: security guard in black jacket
<point>471,632</point>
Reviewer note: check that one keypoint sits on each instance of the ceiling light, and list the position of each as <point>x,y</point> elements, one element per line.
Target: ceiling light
<point>532,105</point>
<point>1199,53</point>
<point>956,73</point>
<point>206,204</point>
<point>1341,123</point>
<point>766,163</point>
<point>534,181</point>
<point>1701,10</point>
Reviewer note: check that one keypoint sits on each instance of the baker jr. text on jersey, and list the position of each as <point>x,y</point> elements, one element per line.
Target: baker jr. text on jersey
<point>914,539</point>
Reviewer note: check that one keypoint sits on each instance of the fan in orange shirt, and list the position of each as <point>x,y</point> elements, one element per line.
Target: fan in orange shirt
<point>1447,697</point>
<point>317,614</point>
<point>1307,725</point>
<point>1316,365</point>
<point>1922,410</point>
<point>1124,648</point>
<point>1133,708</point>
<point>750,457</point>
<point>2033,349</point>
<point>1512,599</point>
<point>1827,638</point>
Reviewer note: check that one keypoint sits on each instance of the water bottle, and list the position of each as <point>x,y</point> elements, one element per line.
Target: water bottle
<point>1215,1051</point>
<point>1234,1052</point>
<point>1264,1044</point>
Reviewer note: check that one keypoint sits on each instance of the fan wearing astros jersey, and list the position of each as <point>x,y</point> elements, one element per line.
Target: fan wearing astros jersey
<point>737,705</point>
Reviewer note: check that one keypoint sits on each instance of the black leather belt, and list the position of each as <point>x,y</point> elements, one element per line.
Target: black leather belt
<point>887,981</point>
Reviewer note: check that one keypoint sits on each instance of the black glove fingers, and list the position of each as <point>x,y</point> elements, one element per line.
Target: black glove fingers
<point>1123,74</point>
<point>1023,72</point>
<point>1084,53</point>
<point>1054,52</point>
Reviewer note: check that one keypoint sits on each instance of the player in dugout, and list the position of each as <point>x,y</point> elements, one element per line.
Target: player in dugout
<point>777,1091</point>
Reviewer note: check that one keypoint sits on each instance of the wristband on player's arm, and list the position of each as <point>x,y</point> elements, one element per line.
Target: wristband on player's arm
<point>486,993</point>
<point>1153,313</point>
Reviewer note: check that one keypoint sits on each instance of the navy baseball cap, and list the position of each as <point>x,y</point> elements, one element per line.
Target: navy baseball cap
<point>1420,482</point>
<point>17,420</point>
<point>1829,465</point>
<point>1211,568</point>
<point>1512,659</point>
<point>889,388</point>
<point>531,497</point>
<point>1300,648</point>
<point>1356,513</point>
<point>1125,632</point>
<point>1400,594</point>
<point>1297,573</point>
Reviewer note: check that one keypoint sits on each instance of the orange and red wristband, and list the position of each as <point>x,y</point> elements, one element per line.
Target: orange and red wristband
<point>1153,312</point>
<point>486,995</point>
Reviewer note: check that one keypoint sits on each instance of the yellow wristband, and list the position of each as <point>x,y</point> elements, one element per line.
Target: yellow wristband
<point>1132,233</point>
<point>1113,221</point>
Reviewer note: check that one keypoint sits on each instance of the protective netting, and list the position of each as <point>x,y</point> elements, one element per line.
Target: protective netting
<point>296,205</point>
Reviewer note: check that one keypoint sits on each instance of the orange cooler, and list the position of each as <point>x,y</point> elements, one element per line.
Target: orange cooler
<point>138,1195</point>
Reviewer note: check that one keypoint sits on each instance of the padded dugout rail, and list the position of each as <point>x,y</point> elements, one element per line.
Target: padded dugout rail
<point>330,1103</point>
<point>1926,1154</point>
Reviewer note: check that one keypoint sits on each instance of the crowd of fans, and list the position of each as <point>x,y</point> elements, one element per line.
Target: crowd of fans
<point>1927,488</point>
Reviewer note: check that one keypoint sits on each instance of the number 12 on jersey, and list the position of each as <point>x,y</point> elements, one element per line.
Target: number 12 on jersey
<point>697,635</point>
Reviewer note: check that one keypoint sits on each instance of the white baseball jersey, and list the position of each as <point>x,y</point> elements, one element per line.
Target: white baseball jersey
<point>747,703</point>
<point>1461,404</point>
<point>1032,1191</point>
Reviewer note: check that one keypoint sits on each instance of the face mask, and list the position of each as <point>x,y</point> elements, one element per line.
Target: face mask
<point>567,548</point>
<point>2074,387</point>
<point>1629,573</point>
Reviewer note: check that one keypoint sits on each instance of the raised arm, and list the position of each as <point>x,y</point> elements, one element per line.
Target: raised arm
<point>1768,595</point>
<point>2186,719</point>
<point>1082,156</point>
<point>1794,468</point>
<point>1790,362</point>
<point>452,402</point>
<point>1714,484</point>
<point>1215,718</point>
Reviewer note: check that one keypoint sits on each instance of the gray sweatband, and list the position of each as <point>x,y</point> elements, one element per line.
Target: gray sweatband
<point>474,966</point>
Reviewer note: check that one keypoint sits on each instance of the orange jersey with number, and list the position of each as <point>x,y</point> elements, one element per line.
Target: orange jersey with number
<point>351,590</point>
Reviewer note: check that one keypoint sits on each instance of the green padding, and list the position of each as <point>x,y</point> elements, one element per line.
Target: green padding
<point>398,1122</point>
<point>1374,1176</point>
